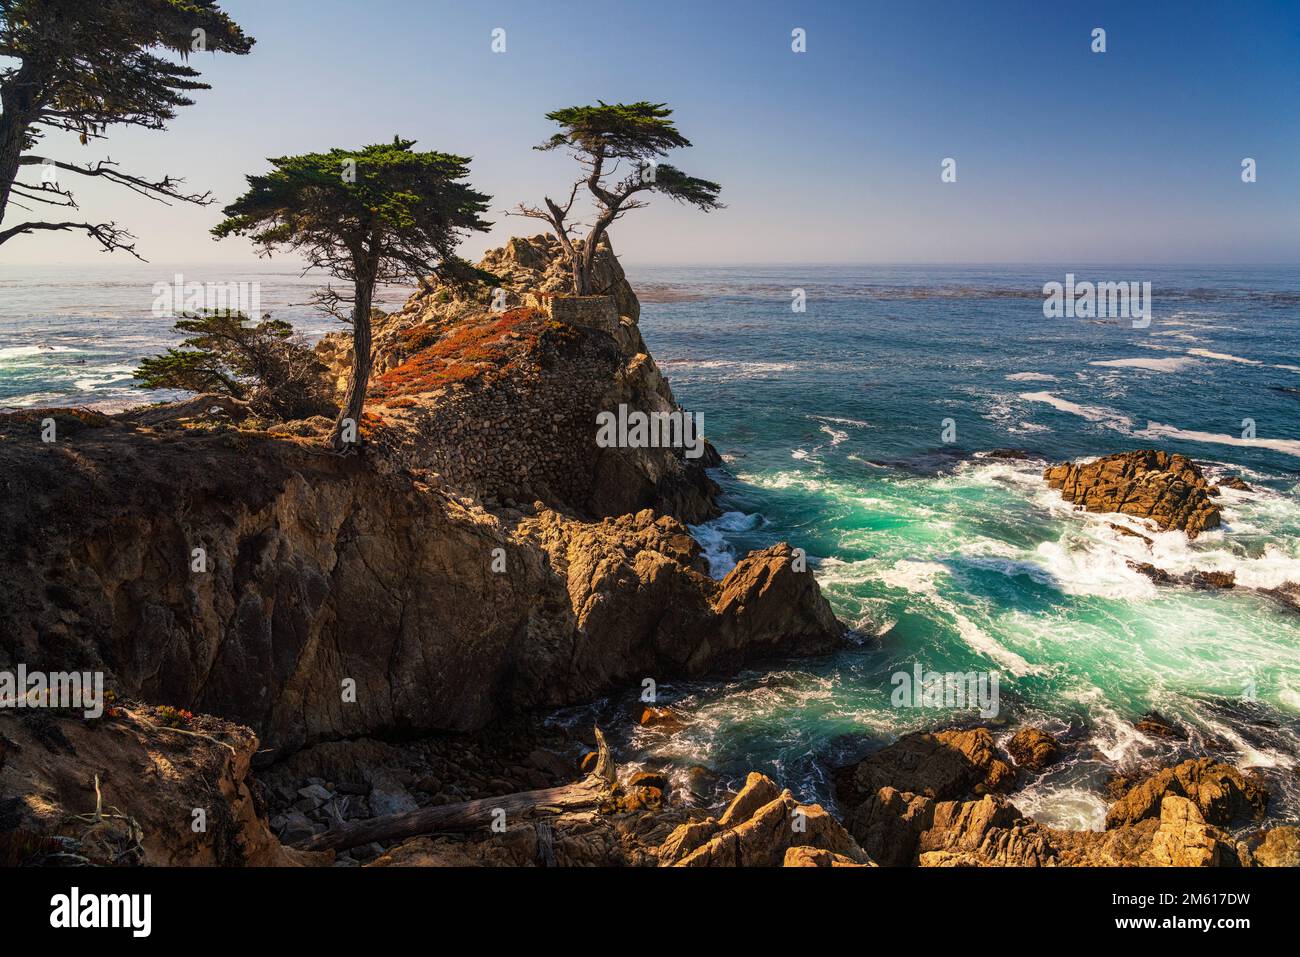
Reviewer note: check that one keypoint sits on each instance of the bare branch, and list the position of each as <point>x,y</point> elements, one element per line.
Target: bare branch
<point>107,235</point>
<point>155,190</point>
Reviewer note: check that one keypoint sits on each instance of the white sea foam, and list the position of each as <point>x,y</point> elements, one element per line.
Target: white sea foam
<point>1158,430</point>
<point>1223,357</point>
<point>712,536</point>
<point>23,352</point>
<point>1031,377</point>
<point>1107,417</point>
<point>837,435</point>
<point>1172,364</point>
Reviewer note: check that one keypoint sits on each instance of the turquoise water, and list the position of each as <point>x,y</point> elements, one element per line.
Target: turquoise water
<point>831,425</point>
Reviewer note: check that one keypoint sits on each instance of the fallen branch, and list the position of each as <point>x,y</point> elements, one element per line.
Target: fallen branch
<point>469,815</point>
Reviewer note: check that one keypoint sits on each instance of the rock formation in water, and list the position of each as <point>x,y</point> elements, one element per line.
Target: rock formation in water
<point>1167,489</point>
<point>932,800</point>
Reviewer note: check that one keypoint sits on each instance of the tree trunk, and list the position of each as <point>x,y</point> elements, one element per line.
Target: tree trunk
<point>581,278</point>
<point>472,815</point>
<point>15,117</point>
<point>362,361</point>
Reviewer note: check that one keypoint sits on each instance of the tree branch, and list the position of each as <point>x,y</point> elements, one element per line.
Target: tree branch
<point>107,235</point>
<point>156,190</point>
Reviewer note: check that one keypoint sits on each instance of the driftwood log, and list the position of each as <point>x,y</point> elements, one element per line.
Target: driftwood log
<point>469,815</point>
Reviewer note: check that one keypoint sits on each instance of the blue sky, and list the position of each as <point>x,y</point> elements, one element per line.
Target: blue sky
<point>833,155</point>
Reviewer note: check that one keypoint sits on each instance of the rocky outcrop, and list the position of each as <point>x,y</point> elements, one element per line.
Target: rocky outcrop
<point>340,600</point>
<point>941,810</point>
<point>1280,848</point>
<point>899,829</point>
<point>1221,794</point>
<point>1168,489</point>
<point>489,390</point>
<point>763,827</point>
<point>166,796</point>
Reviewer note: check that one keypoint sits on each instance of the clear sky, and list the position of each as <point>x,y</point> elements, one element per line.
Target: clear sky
<point>832,155</point>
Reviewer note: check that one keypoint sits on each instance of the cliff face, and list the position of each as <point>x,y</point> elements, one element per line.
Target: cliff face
<point>496,398</point>
<point>455,572</point>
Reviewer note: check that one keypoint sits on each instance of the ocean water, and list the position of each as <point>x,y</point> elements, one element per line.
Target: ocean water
<point>831,423</point>
<point>72,335</point>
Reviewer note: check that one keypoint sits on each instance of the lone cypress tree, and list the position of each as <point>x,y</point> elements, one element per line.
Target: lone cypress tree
<point>600,138</point>
<point>380,214</point>
<point>82,66</point>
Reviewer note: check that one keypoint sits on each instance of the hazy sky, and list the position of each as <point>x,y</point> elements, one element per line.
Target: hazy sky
<point>1063,155</point>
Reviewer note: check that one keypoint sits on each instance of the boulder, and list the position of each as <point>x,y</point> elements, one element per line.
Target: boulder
<point>1033,748</point>
<point>1168,489</point>
<point>1221,794</point>
<point>945,765</point>
<point>805,856</point>
<point>1185,840</point>
<point>1280,848</point>
<point>757,791</point>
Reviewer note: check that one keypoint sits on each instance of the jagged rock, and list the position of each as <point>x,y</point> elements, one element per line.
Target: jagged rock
<point>685,838</point>
<point>757,791</point>
<point>944,765</point>
<point>991,832</point>
<point>888,825</point>
<point>323,569</point>
<point>816,857</point>
<point>1280,848</point>
<point>1034,748</point>
<point>1167,489</point>
<point>1235,482</point>
<point>764,836</point>
<point>1130,533</point>
<point>504,403</point>
<point>1287,594</point>
<point>1196,578</point>
<point>1185,840</point>
<point>1221,793</point>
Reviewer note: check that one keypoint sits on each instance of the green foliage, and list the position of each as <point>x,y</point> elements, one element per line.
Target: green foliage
<point>81,66</point>
<point>383,208</point>
<point>626,130</point>
<point>600,137</point>
<point>96,62</point>
<point>263,364</point>
<point>380,214</point>
<point>632,131</point>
